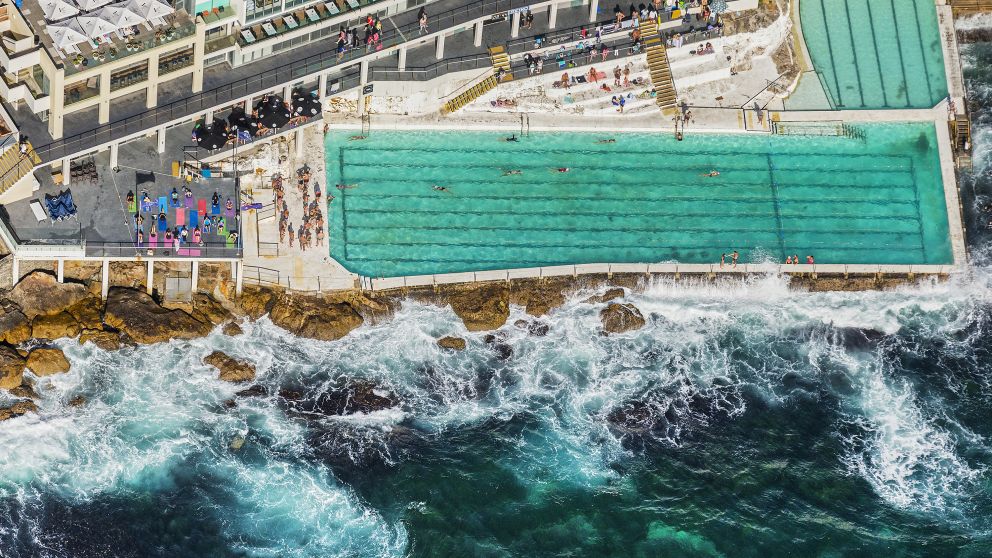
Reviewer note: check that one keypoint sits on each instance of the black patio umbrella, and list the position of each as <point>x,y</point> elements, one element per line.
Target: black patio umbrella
<point>212,136</point>
<point>305,104</point>
<point>242,122</point>
<point>272,112</point>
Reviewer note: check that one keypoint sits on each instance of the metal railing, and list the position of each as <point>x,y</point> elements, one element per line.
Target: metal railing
<point>260,82</point>
<point>213,250</point>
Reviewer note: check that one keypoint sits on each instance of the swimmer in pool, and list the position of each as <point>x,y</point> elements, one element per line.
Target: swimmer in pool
<point>440,188</point>
<point>512,138</point>
<point>563,169</point>
<point>353,138</point>
<point>512,171</point>
<point>609,140</point>
<point>346,186</point>
<point>710,174</point>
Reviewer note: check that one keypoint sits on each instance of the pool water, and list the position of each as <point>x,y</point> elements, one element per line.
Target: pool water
<point>876,53</point>
<point>643,199</point>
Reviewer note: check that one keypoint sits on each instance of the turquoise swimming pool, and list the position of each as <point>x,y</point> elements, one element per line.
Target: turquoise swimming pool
<point>876,53</point>
<point>877,199</point>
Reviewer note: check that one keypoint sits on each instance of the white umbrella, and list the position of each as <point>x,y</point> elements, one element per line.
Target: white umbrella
<point>150,9</point>
<point>90,5</point>
<point>120,16</point>
<point>68,35</point>
<point>95,26</point>
<point>56,10</point>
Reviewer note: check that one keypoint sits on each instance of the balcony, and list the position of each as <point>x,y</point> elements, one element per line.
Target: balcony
<point>175,62</point>
<point>307,16</point>
<point>82,90</point>
<point>111,49</point>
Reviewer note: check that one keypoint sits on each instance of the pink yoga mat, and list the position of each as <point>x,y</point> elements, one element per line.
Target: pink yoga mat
<point>180,217</point>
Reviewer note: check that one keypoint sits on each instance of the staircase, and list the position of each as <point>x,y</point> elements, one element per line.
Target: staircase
<point>501,61</point>
<point>661,73</point>
<point>14,166</point>
<point>962,131</point>
<point>472,93</point>
<point>649,28</point>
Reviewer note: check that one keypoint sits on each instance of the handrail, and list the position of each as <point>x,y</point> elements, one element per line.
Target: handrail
<point>259,82</point>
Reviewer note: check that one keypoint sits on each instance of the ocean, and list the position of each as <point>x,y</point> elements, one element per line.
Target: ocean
<point>745,419</point>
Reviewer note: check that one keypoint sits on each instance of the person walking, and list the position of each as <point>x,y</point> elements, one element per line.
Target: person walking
<point>422,18</point>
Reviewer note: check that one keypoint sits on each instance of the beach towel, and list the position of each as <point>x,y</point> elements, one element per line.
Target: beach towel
<point>189,203</point>
<point>163,204</point>
<point>180,217</point>
<point>194,219</point>
<point>202,206</point>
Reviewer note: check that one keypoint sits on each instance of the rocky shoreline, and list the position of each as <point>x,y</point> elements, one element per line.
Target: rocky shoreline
<point>40,310</point>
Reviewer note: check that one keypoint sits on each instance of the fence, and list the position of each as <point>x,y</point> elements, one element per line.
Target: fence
<point>214,250</point>
<point>261,82</point>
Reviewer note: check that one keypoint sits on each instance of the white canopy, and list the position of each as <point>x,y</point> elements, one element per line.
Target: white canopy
<point>95,26</point>
<point>120,16</point>
<point>56,10</point>
<point>90,5</point>
<point>149,9</point>
<point>66,35</point>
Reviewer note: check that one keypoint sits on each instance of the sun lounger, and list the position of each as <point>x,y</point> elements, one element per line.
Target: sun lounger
<point>38,210</point>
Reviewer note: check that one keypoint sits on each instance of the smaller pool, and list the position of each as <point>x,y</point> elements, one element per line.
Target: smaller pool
<point>876,199</point>
<point>875,53</point>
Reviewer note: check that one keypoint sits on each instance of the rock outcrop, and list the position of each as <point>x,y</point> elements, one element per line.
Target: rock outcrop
<point>17,409</point>
<point>45,362</point>
<point>540,296</point>
<point>232,329</point>
<point>355,397</point>
<point>55,326</point>
<point>482,307</point>
<point>453,343</point>
<point>138,316</point>
<point>231,369</point>
<point>14,326</point>
<point>106,340</point>
<point>610,294</point>
<point>314,318</point>
<point>11,368</point>
<point>621,317</point>
<point>40,294</point>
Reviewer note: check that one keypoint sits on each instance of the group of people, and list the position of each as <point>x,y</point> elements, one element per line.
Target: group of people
<point>349,39</point>
<point>794,260</point>
<point>311,230</point>
<point>177,236</point>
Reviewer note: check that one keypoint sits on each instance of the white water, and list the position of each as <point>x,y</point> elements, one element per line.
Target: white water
<point>153,412</point>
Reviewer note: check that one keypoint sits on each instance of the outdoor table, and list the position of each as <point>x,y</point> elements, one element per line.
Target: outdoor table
<point>268,28</point>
